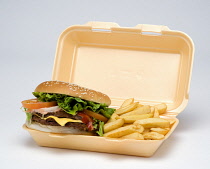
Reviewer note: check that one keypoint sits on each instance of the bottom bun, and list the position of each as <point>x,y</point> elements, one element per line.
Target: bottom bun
<point>56,129</point>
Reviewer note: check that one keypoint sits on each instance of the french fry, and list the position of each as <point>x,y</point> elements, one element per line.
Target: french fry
<point>139,128</point>
<point>113,117</point>
<point>127,102</point>
<point>120,132</point>
<point>146,130</point>
<point>126,109</point>
<point>163,131</point>
<point>140,105</point>
<point>156,113</point>
<point>126,124</point>
<point>140,110</point>
<point>171,121</point>
<point>152,109</point>
<point>133,118</point>
<point>161,108</point>
<point>153,136</point>
<point>153,122</point>
<point>136,136</point>
<point>113,125</point>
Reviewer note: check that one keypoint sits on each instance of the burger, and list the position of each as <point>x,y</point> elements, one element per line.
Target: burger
<point>61,107</point>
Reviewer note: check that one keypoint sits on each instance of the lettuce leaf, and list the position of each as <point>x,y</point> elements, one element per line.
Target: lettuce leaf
<point>28,117</point>
<point>100,131</point>
<point>72,105</point>
<point>98,126</point>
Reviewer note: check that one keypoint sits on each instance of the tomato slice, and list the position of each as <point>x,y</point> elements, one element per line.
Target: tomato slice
<point>96,115</point>
<point>87,120</point>
<point>35,104</point>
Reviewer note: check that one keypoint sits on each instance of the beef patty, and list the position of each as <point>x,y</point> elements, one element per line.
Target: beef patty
<point>60,114</point>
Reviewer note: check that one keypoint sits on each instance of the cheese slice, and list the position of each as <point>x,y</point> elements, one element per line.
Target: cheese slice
<point>61,121</point>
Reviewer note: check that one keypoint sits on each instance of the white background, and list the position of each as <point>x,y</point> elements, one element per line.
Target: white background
<point>28,35</point>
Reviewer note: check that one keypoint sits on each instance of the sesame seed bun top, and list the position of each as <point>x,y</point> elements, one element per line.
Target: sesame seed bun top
<point>74,90</point>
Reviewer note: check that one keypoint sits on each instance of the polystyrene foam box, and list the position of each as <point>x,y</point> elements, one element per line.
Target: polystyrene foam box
<point>150,63</point>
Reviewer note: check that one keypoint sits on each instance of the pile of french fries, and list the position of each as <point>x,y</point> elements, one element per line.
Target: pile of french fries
<point>136,121</point>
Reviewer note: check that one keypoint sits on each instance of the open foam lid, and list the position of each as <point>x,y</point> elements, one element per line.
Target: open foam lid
<point>149,63</point>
